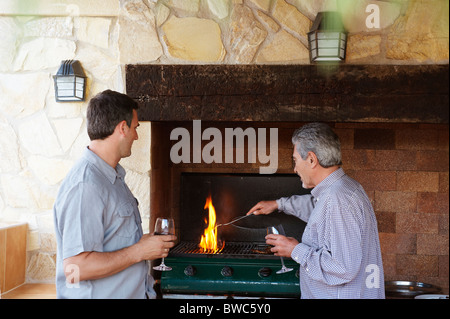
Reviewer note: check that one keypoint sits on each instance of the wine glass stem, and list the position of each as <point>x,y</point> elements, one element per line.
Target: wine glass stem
<point>282,262</point>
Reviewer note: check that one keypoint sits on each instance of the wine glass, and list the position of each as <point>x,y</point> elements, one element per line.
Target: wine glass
<point>279,230</point>
<point>164,226</point>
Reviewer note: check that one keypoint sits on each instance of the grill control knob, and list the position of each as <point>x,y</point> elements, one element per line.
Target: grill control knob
<point>190,271</point>
<point>264,272</point>
<point>227,271</point>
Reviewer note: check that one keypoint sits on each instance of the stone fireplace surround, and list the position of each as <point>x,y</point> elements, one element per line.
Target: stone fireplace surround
<point>392,122</point>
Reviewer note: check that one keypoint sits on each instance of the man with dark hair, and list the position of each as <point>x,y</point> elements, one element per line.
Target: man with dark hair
<point>340,255</point>
<point>102,252</point>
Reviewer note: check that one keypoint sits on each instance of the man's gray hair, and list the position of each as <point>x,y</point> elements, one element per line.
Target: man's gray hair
<point>320,139</point>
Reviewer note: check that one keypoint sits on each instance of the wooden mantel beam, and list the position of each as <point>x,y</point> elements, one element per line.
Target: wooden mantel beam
<point>341,93</point>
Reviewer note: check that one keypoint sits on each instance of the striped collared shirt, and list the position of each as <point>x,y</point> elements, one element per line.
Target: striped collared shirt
<point>340,254</point>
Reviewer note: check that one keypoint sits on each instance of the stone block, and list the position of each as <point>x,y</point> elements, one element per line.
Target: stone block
<point>398,243</point>
<point>138,40</point>
<point>393,160</point>
<point>362,46</point>
<point>433,203</point>
<point>417,265</point>
<point>421,34</point>
<point>11,35</point>
<point>394,201</point>
<point>288,16</point>
<point>418,181</point>
<point>386,222</point>
<point>194,39</point>
<point>49,27</point>
<point>437,161</point>
<point>374,180</point>
<point>162,13</point>
<point>18,191</point>
<point>67,131</point>
<point>220,8</point>
<point>9,149</point>
<point>41,267</point>
<point>283,47</point>
<point>416,223</point>
<point>37,136</point>
<point>17,104</point>
<point>43,53</point>
<point>432,244</point>
<point>93,30</point>
<point>50,171</point>
<point>413,139</point>
<point>246,34</point>
<point>375,139</point>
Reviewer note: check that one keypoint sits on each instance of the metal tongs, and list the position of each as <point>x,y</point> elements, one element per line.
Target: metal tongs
<point>234,220</point>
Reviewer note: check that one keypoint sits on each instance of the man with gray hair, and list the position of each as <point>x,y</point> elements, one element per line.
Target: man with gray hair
<point>339,255</point>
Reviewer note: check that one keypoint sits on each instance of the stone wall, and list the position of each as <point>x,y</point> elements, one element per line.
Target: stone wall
<point>41,139</point>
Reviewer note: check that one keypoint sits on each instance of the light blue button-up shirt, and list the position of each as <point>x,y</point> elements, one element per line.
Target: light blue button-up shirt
<point>96,211</point>
<point>340,254</point>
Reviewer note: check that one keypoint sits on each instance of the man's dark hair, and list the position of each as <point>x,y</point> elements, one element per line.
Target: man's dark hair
<point>106,110</point>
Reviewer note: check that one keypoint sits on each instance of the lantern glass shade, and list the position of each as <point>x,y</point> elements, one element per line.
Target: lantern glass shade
<point>70,82</point>
<point>327,38</point>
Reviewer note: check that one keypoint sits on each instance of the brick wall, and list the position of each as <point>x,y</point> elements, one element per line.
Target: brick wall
<point>404,169</point>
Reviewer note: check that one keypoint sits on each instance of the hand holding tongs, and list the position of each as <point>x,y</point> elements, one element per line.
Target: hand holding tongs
<point>234,220</point>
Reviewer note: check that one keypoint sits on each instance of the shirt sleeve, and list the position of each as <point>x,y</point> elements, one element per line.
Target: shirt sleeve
<point>300,206</point>
<point>337,259</point>
<point>81,221</point>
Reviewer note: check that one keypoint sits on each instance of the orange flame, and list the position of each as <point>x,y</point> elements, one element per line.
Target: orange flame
<point>209,242</point>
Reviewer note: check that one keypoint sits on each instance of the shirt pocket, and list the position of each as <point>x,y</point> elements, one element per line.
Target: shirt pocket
<point>127,221</point>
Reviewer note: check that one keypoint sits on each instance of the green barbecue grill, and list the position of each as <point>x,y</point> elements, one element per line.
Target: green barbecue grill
<point>240,269</point>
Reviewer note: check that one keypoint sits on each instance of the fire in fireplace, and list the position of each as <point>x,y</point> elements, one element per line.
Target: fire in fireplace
<point>209,242</point>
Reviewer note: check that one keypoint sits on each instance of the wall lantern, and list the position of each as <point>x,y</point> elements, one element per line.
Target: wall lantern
<point>327,38</point>
<point>70,82</point>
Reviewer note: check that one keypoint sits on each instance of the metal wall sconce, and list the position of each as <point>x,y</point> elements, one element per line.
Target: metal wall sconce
<point>327,38</point>
<point>70,82</point>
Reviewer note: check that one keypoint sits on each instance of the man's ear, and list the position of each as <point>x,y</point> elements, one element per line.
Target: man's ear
<point>312,159</point>
<point>122,127</point>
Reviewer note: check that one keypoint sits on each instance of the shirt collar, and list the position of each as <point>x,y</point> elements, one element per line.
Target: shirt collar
<point>110,173</point>
<point>328,181</point>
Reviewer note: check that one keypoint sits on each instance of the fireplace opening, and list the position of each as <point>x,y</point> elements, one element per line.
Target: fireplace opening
<point>233,195</point>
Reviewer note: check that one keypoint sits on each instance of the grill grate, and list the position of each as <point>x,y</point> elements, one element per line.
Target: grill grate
<point>235,249</point>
